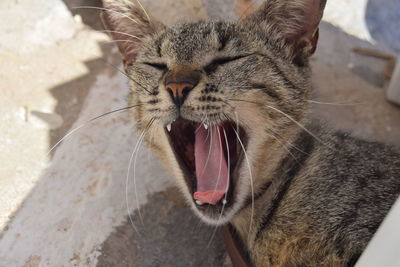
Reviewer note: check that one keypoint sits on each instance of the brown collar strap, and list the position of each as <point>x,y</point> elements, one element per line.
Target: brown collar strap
<point>235,248</point>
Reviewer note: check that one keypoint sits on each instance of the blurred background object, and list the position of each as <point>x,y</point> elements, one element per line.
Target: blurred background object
<point>393,90</point>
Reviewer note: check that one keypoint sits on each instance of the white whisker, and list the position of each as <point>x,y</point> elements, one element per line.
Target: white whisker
<point>209,151</point>
<point>270,131</point>
<point>287,116</point>
<point>229,162</point>
<point>220,161</point>
<point>283,145</point>
<point>126,188</point>
<point>134,178</point>
<point>251,181</point>
<point>144,10</point>
<point>333,103</point>
<point>90,121</point>
<point>298,124</point>
<point>237,126</point>
<point>65,136</point>
<point>127,178</point>
<point>226,190</point>
<point>128,41</point>
<point>105,9</point>
<point>220,166</point>
<point>123,33</point>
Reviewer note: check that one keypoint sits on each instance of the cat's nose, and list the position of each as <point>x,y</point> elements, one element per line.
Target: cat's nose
<point>179,84</point>
<point>179,92</point>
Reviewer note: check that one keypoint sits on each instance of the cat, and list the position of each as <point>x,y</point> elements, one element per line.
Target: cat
<point>224,105</point>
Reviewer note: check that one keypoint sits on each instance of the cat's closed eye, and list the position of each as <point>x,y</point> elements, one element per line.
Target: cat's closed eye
<point>209,68</point>
<point>214,64</point>
<point>158,66</point>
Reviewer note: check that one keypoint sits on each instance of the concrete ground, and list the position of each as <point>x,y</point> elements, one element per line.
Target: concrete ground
<point>69,207</point>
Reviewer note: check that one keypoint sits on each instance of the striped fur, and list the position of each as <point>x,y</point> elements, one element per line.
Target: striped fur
<point>319,195</point>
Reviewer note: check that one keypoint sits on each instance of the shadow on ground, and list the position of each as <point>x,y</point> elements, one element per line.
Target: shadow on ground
<point>89,15</point>
<point>71,96</point>
<point>168,235</point>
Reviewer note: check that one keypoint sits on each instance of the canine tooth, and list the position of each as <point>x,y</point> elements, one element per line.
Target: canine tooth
<point>198,202</point>
<point>169,127</point>
<point>205,126</point>
<point>224,201</point>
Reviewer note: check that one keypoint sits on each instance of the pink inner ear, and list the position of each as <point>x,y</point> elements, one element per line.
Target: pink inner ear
<point>294,23</point>
<point>308,19</point>
<point>120,28</point>
<point>128,25</point>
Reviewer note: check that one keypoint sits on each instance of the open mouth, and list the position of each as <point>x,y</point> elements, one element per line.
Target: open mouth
<point>209,157</point>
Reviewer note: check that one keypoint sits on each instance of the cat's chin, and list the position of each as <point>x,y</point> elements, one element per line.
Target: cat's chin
<point>209,157</point>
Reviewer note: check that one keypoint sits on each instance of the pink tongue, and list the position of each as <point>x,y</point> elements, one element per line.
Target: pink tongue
<point>211,169</point>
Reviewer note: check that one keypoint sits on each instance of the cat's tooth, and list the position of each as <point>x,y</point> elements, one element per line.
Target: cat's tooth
<point>198,202</point>
<point>205,126</point>
<point>224,201</point>
<point>169,127</point>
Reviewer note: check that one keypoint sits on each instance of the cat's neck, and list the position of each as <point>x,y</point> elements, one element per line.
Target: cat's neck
<point>270,188</point>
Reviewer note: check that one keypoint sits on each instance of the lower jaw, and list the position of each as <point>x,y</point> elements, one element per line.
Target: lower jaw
<point>219,213</point>
<point>213,216</point>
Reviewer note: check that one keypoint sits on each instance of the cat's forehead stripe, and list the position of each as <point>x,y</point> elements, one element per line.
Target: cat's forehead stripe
<point>188,40</point>
<point>158,44</point>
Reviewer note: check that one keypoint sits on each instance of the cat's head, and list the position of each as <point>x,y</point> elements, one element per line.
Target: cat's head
<point>214,97</point>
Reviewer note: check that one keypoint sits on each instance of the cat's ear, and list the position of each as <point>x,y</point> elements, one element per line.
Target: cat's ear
<point>292,23</point>
<point>128,24</point>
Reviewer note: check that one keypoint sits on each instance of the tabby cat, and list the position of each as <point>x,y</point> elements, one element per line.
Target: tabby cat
<point>224,105</point>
